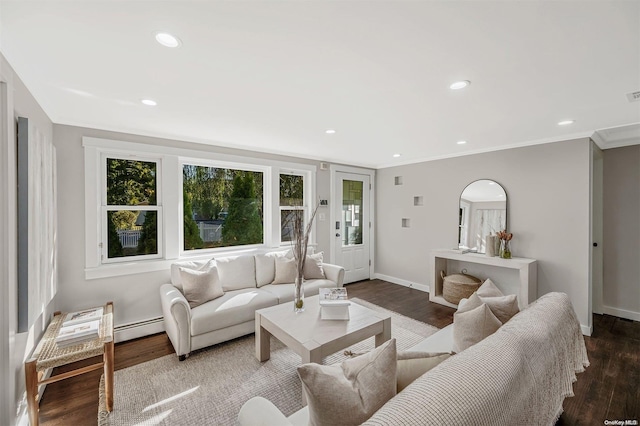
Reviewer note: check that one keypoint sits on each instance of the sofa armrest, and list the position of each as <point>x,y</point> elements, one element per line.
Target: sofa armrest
<point>334,273</point>
<point>259,411</point>
<point>177,318</point>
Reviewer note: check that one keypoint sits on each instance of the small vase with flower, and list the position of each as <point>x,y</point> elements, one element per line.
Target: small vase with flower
<point>505,244</point>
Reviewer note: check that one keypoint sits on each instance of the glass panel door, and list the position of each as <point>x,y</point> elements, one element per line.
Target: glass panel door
<point>351,212</point>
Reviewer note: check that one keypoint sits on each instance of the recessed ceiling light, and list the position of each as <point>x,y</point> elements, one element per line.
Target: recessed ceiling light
<point>167,39</point>
<point>330,131</point>
<point>459,85</point>
<point>149,102</point>
<point>461,142</point>
<point>565,122</point>
<point>396,155</point>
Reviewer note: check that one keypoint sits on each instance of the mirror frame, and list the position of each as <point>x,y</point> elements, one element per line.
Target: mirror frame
<point>462,217</point>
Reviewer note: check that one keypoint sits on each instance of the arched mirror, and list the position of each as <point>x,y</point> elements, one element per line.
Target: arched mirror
<point>483,211</point>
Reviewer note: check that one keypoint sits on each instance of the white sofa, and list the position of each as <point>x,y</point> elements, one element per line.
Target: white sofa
<point>518,375</point>
<point>246,281</point>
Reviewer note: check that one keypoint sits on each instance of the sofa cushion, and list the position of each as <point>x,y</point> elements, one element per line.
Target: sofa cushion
<point>234,307</point>
<point>284,292</point>
<point>349,393</point>
<point>196,265</point>
<point>200,286</point>
<point>237,272</point>
<point>266,266</point>
<point>313,267</point>
<point>285,271</point>
<point>471,326</point>
<point>412,364</point>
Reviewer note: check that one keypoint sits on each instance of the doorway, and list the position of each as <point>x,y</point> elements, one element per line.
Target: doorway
<point>596,217</point>
<point>351,224</point>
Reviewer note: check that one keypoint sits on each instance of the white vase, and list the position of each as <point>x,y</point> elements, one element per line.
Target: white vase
<point>490,245</point>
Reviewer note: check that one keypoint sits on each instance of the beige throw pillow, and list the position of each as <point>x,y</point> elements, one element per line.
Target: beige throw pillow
<point>471,303</point>
<point>412,365</point>
<point>285,271</point>
<point>489,289</point>
<point>349,393</point>
<point>313,267</point>
<point>503,307</point>
<point>471,326</point>
<point>200,286</point>
<point>195,265</point>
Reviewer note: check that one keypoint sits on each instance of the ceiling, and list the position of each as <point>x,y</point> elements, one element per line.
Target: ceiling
<point>273,76</point>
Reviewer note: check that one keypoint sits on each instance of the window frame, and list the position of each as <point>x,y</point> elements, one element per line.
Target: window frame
<point>220,164</point>
<point>304,207</point>
<point>105,208</point>
<point>170,157</point>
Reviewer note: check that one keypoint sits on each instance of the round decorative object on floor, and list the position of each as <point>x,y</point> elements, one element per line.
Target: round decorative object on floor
<point>458,286</point>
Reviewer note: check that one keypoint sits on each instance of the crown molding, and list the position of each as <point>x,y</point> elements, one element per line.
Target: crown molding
<point>616,137</point>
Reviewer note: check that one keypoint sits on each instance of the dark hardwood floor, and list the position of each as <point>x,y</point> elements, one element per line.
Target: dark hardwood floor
<point>608,390</point>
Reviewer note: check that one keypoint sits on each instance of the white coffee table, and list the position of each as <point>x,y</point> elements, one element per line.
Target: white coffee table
<point>313,338</point>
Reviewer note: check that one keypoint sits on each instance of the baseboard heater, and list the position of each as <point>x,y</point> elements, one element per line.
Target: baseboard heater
<point>137,329</point>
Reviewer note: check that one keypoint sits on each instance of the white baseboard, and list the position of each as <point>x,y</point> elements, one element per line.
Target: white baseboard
<point>399,281</point>
<point>22,419</point>
<point>586,330</point>
<point>622,313</point>
<point>138,329</point>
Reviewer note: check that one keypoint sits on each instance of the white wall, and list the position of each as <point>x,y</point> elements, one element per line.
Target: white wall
<point>15,346</point>
<point>135,296</point>
<point>548,211</point>
<point>621,243</point>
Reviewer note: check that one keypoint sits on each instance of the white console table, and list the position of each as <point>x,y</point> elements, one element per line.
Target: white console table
<point>513,276</point>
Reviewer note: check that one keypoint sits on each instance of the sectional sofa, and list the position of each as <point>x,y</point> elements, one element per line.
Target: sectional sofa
<point>519,375</point>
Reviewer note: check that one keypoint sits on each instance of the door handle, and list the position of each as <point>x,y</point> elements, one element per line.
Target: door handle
<point>337,234</point>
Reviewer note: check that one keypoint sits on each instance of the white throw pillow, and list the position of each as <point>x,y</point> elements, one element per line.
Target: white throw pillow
<point>194,265</point>
<point>237,272</point>
<point>200,286</point>
<point>285,271</point>
<point>313,267</point>
<point>266,267</point>
<point>349,393</point>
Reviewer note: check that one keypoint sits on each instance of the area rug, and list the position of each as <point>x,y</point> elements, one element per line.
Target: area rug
<point>212,384</point>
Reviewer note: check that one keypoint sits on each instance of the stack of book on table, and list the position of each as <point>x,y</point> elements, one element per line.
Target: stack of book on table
<point>334,304</point>
<point>78,327</point>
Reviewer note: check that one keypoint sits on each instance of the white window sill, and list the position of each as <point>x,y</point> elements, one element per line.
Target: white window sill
<point>154,265</point>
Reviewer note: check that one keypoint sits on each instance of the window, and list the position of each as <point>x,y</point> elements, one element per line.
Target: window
<point>130,209</point>
<point>291,203</point>
<point>352,199</point>
<point>148,205</point>
<point>222,207</point>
